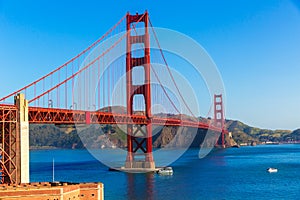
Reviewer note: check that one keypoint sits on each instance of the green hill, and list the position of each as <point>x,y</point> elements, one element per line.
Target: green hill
<point>243,133</point>
<point>109,136</point>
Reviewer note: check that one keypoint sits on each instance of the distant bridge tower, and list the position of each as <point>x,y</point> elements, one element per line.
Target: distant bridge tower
<point>139,138</point>
<point>219,118</point>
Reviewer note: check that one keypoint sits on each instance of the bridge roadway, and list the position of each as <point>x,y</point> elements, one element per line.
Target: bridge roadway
<point>38,115</point>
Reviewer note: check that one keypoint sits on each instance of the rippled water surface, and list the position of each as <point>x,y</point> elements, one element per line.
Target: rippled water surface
<point>237,173</point>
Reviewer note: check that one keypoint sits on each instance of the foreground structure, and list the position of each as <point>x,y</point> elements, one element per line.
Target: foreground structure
<point>52,191</point>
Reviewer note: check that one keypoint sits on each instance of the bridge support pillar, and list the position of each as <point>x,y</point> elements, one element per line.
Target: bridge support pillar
<point>22,140</point>
<point>139,155</point>
<point>219,118</point>
<point>139,137</point>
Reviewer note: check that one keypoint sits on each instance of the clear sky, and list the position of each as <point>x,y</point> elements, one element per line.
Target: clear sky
<point>254,43</point>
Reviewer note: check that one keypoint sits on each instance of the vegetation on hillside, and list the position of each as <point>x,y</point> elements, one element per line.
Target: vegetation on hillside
<point>92,136</point>
<point>103,136</point>
<point>243,133</point>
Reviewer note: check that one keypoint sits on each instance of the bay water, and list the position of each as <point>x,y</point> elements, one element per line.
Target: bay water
<point>235,173</point>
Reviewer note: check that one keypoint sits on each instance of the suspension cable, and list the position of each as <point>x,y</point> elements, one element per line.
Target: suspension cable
<point>68,62</point>
<point>168,68</point>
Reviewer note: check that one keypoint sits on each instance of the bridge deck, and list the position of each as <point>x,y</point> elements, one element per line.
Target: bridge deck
<point>38,115</point>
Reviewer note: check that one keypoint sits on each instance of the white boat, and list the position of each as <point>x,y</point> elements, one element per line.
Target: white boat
<point>272,170</point>
<point>165,171</point>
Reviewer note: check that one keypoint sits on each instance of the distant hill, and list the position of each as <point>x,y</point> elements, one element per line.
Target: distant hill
<point>243,133</point>
<point>108,136</point>
<point>294,136</point>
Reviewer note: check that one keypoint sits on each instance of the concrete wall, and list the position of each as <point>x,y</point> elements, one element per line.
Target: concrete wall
<point>35,191</point>
<point>92,191</point>
<point>23,129</point>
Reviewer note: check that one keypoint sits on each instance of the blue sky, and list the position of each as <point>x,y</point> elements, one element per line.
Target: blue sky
<point>254,43</point>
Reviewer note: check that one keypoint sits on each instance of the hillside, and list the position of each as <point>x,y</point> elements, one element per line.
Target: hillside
<point>243,133</point>
<point>110,136</point>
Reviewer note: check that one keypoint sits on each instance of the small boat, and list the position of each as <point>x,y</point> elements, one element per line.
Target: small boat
<point>272,170</point>
<point>165,171</point>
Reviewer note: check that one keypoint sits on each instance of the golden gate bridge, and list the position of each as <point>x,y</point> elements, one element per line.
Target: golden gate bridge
<point>64,96</point>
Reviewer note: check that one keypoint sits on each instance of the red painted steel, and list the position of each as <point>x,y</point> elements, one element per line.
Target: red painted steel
<point>66,116</point>
<point>219,118</point>
<point>38,115</point>
<point>88,117</point>
<point>134,143</point>
<point>9,145</point>
<point>56,116</point>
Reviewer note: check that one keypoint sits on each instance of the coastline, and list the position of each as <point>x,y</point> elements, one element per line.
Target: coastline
<point>240,145</point>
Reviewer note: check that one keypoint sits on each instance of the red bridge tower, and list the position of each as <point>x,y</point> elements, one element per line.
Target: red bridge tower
<point>139,138</point>
<point>219,118</point>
